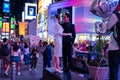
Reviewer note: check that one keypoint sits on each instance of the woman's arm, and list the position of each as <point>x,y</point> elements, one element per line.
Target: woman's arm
<point>66,34</point>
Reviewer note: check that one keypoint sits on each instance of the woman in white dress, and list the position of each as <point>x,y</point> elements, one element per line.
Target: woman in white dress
<point>58,33</point>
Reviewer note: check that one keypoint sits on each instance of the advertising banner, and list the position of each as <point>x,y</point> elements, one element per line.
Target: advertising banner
<point>30,11</point>
<point>6,7</point>
<point>0,22</point>
<point>5,27</point>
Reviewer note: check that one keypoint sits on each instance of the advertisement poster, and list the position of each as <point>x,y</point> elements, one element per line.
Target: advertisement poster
<point>30,11</point>
<point>6,7</point>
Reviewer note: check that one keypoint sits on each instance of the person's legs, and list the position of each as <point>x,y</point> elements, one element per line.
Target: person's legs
<point>35,63</point>
<point>49,63</point>
<point>113,65</point>
<point>69,54</point>
<point>32,63</point>
<point>44,63</point>
<point>25,59</point>
<point>69,61</point>
<point>64,62</point>
<point>28,59</point>
<point>58,63</point>
<point>54,63</point>
<point>18,68</point>
<point>64,58</point>
<point>6,64</point>
<point>7,68</point>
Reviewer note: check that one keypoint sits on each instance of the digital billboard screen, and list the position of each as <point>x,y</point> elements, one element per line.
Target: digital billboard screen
<point>5,27</point>
<point>30,11</point>
<point>0,22</point>
<point>6,0</point>
<point>84,20</point>
<point>12,26</point>
<point>6,7</point>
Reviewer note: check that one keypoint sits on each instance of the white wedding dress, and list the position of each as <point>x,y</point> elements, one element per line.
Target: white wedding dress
<point>58,40</point>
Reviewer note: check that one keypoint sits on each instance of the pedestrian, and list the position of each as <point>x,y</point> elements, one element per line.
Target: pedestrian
<point>67,42</point>
<point>34,58</point>
<point>16,56</point>
<point>6,49</point>
<point>26,55</point>
<point>47,55</point>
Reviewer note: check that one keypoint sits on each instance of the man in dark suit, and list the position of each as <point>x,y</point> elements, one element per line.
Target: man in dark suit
<point>67,42</point>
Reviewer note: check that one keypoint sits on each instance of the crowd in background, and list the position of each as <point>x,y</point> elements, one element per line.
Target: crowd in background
<point>21,52</point>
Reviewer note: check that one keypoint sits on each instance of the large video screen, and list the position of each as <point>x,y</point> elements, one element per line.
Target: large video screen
<point>6,26</point>
<point>7,0</point>
<point>84,20</point>
<point>30,11</point>
<point>12,22</point>
<point>6,7</point>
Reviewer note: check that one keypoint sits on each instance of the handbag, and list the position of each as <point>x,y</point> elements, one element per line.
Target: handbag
<point>37,55</point>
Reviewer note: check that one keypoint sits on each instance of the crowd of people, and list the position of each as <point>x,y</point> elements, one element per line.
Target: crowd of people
<point>20,53</point>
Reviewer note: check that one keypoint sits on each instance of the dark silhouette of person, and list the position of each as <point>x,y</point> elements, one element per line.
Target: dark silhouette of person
<point>67,42</point>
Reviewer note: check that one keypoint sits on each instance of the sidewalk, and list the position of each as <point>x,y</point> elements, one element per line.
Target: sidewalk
<point>25,73</point>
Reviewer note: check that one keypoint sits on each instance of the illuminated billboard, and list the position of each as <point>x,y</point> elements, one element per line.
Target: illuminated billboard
<point>12,26</point>
<point>30,11</point>
<point>84,20</point>
<point>7,0</point>
<point>6,7</point>
<point>22,28</point>
<point>0,22</point>
<point>5,27</point>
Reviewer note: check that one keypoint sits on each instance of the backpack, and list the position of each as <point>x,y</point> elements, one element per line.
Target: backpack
<point>117,30</point>
<point>5,50</point>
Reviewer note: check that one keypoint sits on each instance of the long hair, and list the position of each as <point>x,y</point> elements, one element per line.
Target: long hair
<point>15,47</point>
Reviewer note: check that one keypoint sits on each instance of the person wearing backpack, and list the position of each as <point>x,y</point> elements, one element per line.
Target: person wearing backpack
<point>5,49</point>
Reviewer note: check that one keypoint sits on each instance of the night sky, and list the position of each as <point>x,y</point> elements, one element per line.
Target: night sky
<point>17,6</point>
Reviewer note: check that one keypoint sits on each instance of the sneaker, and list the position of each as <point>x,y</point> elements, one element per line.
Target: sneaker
<point>6,74</point>
<point>18,73</point>
<point>59,71</point>
<point>81,75</point>
<point>30,69</point>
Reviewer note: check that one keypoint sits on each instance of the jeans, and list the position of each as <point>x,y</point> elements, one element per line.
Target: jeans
<point>27,59</point>
<point>34,63</point>
<point>46,63</point>
<point>114,61</point>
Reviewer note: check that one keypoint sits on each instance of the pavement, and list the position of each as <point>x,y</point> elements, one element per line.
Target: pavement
<point>26,74</point>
